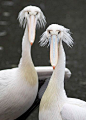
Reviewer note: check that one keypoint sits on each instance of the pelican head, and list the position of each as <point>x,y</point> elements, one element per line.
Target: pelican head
<point>53,35</point>
<point>31,16</point>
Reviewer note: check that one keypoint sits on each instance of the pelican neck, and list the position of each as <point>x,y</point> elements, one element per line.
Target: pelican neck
<point>26,59</point>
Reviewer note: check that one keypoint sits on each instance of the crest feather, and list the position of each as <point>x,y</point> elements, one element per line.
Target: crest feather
<point>66,37</point>
<point>43,40</point>
<point>40,20</point>
<point>22,18</point>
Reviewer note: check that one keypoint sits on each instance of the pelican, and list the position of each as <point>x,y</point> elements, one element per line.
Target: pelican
<point>19,86</point>
<point>55,105</point>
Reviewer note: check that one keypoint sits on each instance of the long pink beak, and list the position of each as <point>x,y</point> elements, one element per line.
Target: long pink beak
<point>32,28</point>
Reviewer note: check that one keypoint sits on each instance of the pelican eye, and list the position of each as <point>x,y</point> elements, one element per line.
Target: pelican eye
<point>59,32</point>
<point>49,31</point>
<point>28,13</point>
<point>36,13</point>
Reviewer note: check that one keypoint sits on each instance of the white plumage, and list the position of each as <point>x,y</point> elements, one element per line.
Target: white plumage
<point>55,105</point>
<point>46,73</point>
<point>19,86</point>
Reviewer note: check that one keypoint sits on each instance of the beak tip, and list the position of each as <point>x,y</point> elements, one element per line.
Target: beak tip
<point>31,43</point>
<point>53,67</point>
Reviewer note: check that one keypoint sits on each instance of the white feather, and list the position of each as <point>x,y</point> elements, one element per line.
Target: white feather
<point>73,112</point>
<point>65,35</point>
<point>44,39</point>
<point>24,16</point>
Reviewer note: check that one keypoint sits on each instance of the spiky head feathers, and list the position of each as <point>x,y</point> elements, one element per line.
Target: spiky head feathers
<point>64,34</point>
<point>36,11</point>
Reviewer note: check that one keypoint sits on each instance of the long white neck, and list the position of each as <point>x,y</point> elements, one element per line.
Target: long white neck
<point>26,59</point>
<point>55,90</point>
<point>26,68</point>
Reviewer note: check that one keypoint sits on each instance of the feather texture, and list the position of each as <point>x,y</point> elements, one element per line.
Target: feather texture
<point>65,35</point>
<point>24,17</point>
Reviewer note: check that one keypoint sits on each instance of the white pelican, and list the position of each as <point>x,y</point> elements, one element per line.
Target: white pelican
<point>19,86</point>
<point>55,105</point>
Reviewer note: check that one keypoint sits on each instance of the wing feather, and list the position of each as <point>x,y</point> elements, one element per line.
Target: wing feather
<point>73,112</point>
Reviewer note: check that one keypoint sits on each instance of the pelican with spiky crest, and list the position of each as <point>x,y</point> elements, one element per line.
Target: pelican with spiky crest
<point>19,86</point>
<point>55,105</point>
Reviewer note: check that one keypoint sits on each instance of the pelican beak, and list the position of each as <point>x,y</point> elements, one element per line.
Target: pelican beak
<point>54,51</point>
<point>32,28</point>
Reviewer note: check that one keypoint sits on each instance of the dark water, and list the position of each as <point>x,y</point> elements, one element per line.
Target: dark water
<point>69,13</point>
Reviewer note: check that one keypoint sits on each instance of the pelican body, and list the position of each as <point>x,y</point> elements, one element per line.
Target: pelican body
<point>19,86</point>
<point>55,105</point>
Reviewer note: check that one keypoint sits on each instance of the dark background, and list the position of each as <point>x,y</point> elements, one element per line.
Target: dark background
<point>69,13</point>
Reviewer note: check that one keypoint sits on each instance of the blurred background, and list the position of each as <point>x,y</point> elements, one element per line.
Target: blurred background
<point>69,13</point>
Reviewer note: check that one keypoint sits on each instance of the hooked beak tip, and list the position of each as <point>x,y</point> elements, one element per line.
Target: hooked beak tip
<point>31,43</point>
<point>53,67</point>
